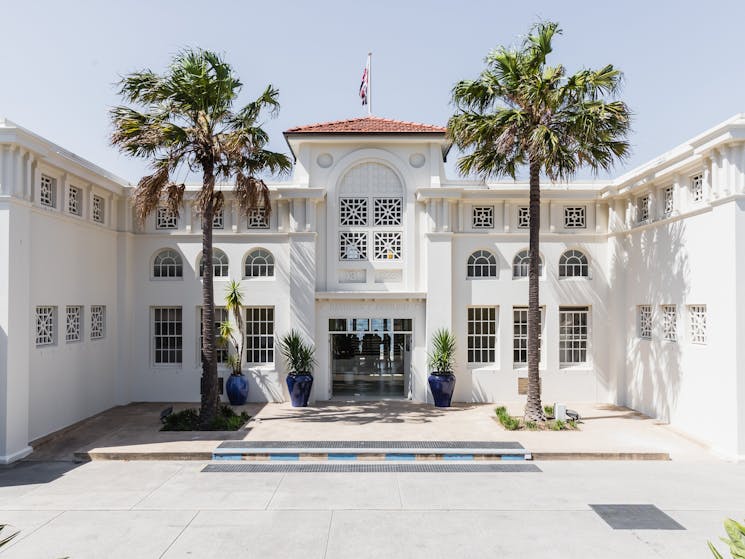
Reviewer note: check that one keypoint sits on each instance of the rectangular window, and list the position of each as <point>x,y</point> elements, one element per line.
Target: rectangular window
<point>74,200</point>
<point>573,336</point>
<point>98,210</point>
<point>697,188</point>
<point>520,336</point>
<point>642,209</point>
<point>165,219</point>
<point>523,217</point>
<point>669,323</point>
<point>257,219</point>
<point>483,217</point>
<point>73,323</point>
<point>98,322</point>
<point>46,325</point>
<point>387,245</point>
<point>221,315</point>
<point>645,321</point>
<point>482,334</point>
<point>260,334</point>
<point>48,192</point>
<point>218,220</point>
<point>697,324</point>
<point>574,217</point>
<point>167,335</point>
<point>668,201</point>
<point>387,212</point>
<point>352,245</point>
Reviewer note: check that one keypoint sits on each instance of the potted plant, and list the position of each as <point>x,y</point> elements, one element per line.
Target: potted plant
<point>300,361</point>
<point>237,384</point>
<point>440,361</point>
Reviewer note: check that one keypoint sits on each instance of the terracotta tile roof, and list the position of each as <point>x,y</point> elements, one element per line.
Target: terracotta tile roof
<point>367,125</point>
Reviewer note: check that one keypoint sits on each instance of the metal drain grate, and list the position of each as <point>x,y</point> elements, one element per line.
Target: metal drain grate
<point>372,444</point>
<point>635,517</point>
<point>307,468</point>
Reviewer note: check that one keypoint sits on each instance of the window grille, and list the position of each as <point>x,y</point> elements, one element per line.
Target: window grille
<point>98,211</point>
<point>387,212</point>
<point>165,219</point>
<point>670,323</point>
<point>573,263</point>
<point>520,336</point>
<point>218,219</point>
<point>573,336</point>
<point>482,334</point>
<point>259,263</point>
<point>668,199</point>
<point>387,245</point>
<point>73,319</point>
<point>221,346</point>
<point>260,334</point>
<point>257,219</point>
<point>642,209</point>
<point>46,325</point>
<point>167,335</point>
<point>697,324</point>
<point>48,192</point>
<point>574,217</point>
<point>523,217</point>
<point>168,264</point>
<point>481,264</point>
<point>220,264</point>
<point>645,321</point>
<point>74,200</point>
<point>521,265</point>
<point>98,322</point>
<point>352,245</point>
<point>353,212</point>
<point>483,217</point>
<point>697,188</point>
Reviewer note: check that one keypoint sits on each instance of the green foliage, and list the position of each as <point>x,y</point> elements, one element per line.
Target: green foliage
<point>531,425</point>
<point>515,423</point>
<point>572,423</point>
<point>227,332</point>
<point>188,420</point>
<point>508,422</point>
<point>442,357</point>
<point>735,541</point>
<point>557,425</point>
<point>300,356</point>
<point>548,410</point>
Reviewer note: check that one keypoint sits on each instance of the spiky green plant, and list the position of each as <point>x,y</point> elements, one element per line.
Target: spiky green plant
<point>300,356</point>
<point>234,305</point>
<point>736,540</point>
<point>442,357</point>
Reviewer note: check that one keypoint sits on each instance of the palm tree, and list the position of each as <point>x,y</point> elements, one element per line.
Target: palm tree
<point>522,112</point>
<point>183,121</point>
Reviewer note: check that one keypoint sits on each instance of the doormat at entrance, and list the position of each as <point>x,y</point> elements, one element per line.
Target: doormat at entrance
<point>306,468</point>
<point>372,444</point>
<point>635,517</point>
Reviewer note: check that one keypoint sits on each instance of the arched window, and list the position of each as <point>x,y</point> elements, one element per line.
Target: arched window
<point>520,265</point>
<point>482,264</point>
<point>168,264</point>
<point>572,264</point>
<point>259,263</point>
<point>219,264</point>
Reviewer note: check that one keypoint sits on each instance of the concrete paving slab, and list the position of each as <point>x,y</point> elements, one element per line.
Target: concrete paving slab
<point>254,535</point>
<point>24,523</point>
<point>336,491</point>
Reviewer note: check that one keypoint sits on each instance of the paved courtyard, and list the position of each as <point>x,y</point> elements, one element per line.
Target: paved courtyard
<point>171,509</point>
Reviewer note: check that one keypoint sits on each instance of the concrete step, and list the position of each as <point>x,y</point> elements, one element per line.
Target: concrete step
<point>370,451</point>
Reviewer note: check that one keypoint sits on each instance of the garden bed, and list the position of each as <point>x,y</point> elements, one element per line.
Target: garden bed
<point>512,423</point>
<point>188,420</point>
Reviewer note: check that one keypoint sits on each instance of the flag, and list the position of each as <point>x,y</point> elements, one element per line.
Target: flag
<point>364,85</point>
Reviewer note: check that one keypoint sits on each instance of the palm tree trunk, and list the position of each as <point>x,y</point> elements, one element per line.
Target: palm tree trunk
<point>533,407</point>
<point>210,396</point>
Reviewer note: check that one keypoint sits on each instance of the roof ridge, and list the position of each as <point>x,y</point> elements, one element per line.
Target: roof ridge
<point>367,124</point>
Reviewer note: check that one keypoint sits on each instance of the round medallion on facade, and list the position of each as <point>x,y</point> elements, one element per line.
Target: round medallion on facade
<point>325,160</point>
<point>416,160</point>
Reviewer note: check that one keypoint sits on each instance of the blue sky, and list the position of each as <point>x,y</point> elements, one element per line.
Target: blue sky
<point>683,62</point>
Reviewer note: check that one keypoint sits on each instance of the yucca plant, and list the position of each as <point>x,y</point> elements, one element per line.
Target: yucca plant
<point>442,357</point>
<point>736,541</point>
<point>300,355</point>
<point>234,305</point>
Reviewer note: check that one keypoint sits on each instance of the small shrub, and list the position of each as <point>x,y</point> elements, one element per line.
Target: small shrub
<point>188,420</point>
<point>508,422</point>
<point>501,411</point>
<point>531,425</point>
<point>572,423</point>
<point>548,410</point>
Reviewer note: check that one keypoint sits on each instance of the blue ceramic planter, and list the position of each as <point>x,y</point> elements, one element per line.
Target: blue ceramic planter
<point>237,389</point>
<point>299,386</point>
<point>442,387</point>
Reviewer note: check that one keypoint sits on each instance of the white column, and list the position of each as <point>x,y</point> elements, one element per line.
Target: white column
<point>188,217</point>
<point>446,215</point>
<point>709,169</point>
<point>430,217</point>
<point>552,207</point>
<point>732,152</point>
<point>601,221</point>
<point>506,216</point>
<point>310,214</point>
<point>235,216</point>
<point>4,180</point>
<point>29,176</point>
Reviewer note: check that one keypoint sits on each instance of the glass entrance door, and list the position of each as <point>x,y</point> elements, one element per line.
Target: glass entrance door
<point>370,357</point>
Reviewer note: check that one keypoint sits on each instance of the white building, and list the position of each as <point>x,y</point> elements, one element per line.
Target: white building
<point>368,250</point>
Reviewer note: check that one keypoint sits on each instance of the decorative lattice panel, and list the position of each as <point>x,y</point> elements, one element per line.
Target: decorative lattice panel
<point>353,212</point>
<point>387,245</point>
<point>48,191</point>
<point>218,220</point>
<point>165,219</point>
<point>257,219</point>
<point>697,188</point>
<point>45,325</point>
<point>670,323</point>
<point>523,217</point>
<point>645,321</point>
<point>668,201</point>
<point>73,319</point>
<point>98,322</point>
<point>483,217</point>
<point>387,212</point>
<point>352,245</point>
<point>697,324</point>
<point>97,209</point>
<point>574,217</point>
<point>74,200</point>
<point>642,209</point>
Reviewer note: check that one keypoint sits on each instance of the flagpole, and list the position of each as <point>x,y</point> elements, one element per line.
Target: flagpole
<point>369,84</point>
